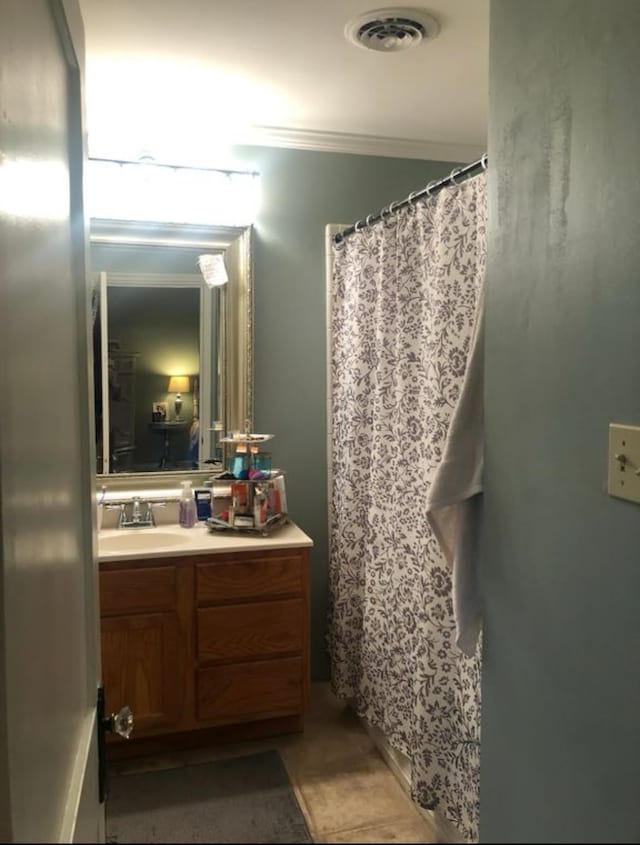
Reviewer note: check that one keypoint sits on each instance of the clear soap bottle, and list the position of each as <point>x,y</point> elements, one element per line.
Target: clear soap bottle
<point>188,511</point>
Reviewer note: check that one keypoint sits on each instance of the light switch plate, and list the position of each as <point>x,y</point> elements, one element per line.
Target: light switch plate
<point>624,461</point>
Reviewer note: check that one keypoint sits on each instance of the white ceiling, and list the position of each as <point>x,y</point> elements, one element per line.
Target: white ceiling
<point>183,79</point>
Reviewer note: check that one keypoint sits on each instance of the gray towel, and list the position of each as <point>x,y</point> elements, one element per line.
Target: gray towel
<point>453,505</point>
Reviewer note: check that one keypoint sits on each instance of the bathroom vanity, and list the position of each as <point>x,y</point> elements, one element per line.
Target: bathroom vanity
<point>204,636</point>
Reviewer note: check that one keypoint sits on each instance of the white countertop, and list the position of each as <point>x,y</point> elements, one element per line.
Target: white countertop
<point>163,540</point>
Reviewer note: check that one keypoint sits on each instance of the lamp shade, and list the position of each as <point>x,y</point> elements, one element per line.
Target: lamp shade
<point>213,270</point>
<point>179,384</point>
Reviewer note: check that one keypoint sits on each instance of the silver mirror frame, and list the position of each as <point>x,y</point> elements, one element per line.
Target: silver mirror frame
<point>235,331</point>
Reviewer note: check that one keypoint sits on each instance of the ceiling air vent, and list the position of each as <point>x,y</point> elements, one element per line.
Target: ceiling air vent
<point>391,30</point>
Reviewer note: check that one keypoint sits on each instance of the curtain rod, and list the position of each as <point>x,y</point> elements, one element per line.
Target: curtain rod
<point>431,188</point>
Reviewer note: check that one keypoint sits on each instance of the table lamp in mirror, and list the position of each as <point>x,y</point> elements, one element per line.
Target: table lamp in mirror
<point>178,385</point>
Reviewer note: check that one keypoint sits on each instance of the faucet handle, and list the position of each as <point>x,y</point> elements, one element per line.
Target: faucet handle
<point>151,505</point>
<point>149,516</point>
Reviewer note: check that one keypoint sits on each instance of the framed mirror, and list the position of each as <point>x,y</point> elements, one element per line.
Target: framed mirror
<point>173,356</point>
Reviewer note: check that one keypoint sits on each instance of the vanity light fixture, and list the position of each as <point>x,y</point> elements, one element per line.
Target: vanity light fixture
<point>178,385</point>
<point>213,270</point>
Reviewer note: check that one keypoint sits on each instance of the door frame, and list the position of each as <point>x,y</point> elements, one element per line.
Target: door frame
<point>79,817</point>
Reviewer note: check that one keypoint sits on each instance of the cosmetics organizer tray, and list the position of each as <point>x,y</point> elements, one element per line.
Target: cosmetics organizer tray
<point>258,499</point>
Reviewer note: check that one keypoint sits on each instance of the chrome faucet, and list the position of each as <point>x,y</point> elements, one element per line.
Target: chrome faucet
<point>136,520</point>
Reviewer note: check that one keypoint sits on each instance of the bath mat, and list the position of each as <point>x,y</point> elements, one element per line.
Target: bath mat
<point>242,799</point>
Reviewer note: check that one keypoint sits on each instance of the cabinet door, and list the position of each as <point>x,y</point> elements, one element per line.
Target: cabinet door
<point>141,667</point>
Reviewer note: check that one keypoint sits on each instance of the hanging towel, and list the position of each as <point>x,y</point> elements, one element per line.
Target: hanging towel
<point>453,504</point>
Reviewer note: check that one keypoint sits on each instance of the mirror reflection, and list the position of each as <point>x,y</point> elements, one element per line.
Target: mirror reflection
<point>172,351</point>
<point>152,374</point>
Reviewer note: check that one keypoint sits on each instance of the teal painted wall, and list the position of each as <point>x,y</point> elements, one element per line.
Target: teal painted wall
<point>560,568</point>
<point>302,192</point>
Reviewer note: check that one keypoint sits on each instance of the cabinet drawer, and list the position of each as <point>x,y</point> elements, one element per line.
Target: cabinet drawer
<point>261,629</point>
<point>131,590</point>
<point>249,579</point>
<point>250,691</point>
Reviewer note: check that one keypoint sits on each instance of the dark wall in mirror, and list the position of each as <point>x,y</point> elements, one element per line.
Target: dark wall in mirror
<point>153,334</point>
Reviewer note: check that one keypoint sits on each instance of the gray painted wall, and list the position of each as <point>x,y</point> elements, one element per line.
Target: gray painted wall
<point>302,192</point>
<point>561,559</point>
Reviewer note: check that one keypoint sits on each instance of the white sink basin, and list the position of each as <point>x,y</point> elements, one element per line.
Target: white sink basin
<point>140,540</point>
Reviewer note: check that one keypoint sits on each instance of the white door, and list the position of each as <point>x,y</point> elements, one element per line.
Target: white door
<point>49,660</point>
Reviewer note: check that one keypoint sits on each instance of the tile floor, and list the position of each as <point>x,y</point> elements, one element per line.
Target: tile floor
<point>344,787</point>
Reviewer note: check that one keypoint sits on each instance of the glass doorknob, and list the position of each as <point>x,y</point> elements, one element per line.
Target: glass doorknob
<point>120,723</point>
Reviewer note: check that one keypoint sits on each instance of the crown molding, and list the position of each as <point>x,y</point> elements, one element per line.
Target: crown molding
<point>372,145</point>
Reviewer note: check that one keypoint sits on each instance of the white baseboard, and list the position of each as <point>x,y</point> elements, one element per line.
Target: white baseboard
<point>398,762</point>
<point>400,765</point>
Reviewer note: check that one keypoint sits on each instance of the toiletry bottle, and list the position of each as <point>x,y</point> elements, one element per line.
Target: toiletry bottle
<point>259,510</point>
<point>203,503</point>
<point>188,512</point>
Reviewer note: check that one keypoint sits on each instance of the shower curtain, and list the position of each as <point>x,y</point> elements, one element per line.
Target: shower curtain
<point>404,299</point>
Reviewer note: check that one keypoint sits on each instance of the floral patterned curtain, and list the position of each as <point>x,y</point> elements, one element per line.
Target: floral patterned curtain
<point>403,306</point>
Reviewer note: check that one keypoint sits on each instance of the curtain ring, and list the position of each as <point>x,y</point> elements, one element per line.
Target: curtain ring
<point>368,219</point>
<point>453,174</point>
<point>430,187</point>
<point>359,224</point>
<point>484,161</point>
<point>412,196</point>
<point>391,205</point>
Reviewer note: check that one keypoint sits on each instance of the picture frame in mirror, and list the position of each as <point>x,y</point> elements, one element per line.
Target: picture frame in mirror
<point>160,412</point>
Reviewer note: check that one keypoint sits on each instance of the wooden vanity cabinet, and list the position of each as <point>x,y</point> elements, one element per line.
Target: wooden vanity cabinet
<point>206,647</point>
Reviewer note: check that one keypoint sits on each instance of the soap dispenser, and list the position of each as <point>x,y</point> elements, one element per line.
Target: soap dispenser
<point>188,512</point>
